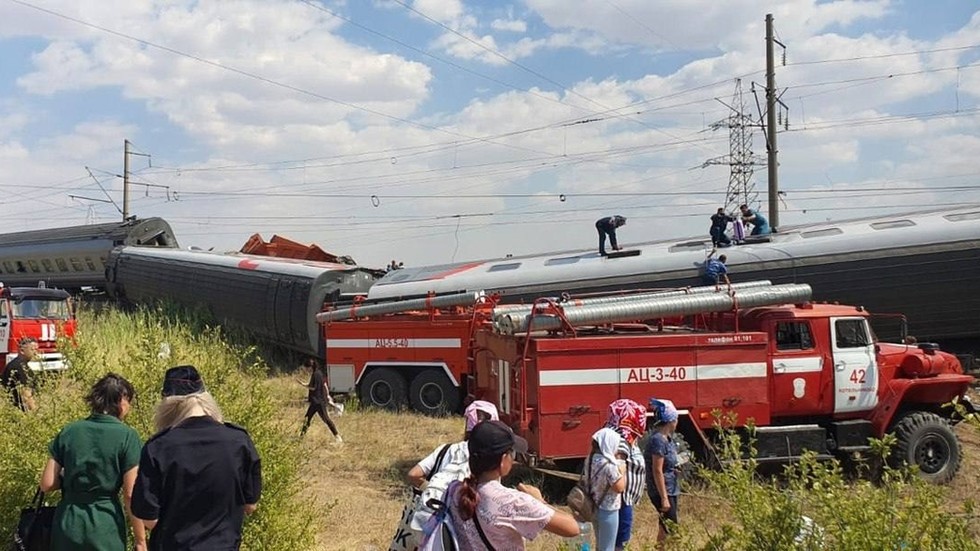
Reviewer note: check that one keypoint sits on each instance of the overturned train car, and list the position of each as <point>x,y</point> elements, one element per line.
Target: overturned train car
<point>921,264</point>
<point>275,299</point>
<point>74,257</point>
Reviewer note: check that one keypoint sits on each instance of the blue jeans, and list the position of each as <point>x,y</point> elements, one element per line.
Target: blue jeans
<point>606,526</point>
<point>625,526</point>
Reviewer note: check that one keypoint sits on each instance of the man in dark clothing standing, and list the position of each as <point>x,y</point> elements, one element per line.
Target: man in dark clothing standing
<point>719,223</point>
<point>318,398</point>
<point>607,226</point>
<point>16,378</point>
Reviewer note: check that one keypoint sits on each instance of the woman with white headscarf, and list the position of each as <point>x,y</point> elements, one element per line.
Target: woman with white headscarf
<point>660,454</point>
<point>607,481</point>
<point>629,419</point>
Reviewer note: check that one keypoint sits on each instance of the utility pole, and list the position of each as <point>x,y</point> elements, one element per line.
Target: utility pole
<point>125,209</point>
<point>771,149</point>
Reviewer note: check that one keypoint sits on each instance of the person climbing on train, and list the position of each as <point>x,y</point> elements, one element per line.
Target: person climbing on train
<point>719,223</point>
<point>760,225</point>
<point>607,227</point>
<point>715,270</point>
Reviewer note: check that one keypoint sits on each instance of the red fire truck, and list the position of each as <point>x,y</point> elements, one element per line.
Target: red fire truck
<point>38,312</point>
<point>807,376</point>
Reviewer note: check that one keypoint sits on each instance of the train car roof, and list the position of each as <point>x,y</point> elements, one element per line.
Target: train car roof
<point>286,266</point>
<point>893,233</point>
<point>117,231</point>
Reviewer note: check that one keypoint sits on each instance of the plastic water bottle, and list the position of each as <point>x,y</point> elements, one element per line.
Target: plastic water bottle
<point>583,541</point>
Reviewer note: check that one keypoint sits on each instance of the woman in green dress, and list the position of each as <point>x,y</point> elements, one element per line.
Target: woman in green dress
<point>91,460</point>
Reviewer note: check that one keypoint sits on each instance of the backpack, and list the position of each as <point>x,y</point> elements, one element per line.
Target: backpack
<point>439,533</point>
<point>579,499</point>
<point>439,481</point>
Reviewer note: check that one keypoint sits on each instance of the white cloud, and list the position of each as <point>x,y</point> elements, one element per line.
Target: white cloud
<point>509,25</point>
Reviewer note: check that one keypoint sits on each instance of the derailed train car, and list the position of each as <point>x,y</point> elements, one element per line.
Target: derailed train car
<point>74,257</point>
<point>924,265</point>
<point>275,299</point>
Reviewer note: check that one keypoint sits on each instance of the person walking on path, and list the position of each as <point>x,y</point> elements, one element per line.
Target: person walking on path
<point>663,486</point>
<point>318,398</point>
<point>16,376</point>
<point>715,270</point>
<point>760,225</point>
<point>198,476</point>
<point>719,223</point>
<point>607,227</point>
<point>629,419</point>
<point>90,461</point>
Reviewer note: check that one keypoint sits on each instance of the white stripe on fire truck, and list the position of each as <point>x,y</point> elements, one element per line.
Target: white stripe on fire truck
<point>662,374</point>
<point>393,343</point>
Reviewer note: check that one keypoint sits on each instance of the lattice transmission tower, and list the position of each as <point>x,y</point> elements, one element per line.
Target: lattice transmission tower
<point>741,160</point>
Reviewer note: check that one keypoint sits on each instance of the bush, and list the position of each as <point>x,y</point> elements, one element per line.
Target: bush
<point>140,346</point>
<point>813,506</point>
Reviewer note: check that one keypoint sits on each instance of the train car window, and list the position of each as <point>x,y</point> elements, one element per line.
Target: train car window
<point>892,224</point>
<point>35,267</point>
<point>963,217</point>
<point>822,233</point>
<point>8,267</point>
<point>400,277</point>
<point>793,336</point>
<point>504,267</point>
<point>76,264</point>
<point>562,261</point>
<point>62,265</point>
<point>89,263</point>
<point>687,246</point>
<point>46,262</point>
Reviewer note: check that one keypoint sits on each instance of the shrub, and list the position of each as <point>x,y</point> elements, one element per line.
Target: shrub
<point>813,506</point>
<point>140,346</point>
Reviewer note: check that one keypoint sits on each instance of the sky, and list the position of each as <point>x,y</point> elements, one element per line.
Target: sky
<point>432,131</point>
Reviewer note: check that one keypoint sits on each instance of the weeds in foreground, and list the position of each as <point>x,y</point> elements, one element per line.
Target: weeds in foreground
<point>140,346</point>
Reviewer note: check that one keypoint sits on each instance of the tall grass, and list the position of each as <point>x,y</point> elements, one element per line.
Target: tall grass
<point>140,346</point>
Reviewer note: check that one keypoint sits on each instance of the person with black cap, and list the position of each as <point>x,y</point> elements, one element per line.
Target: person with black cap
<point>198,476</point>
<point>487,515</point>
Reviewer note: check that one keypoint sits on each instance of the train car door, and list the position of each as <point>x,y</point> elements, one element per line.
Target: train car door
<point>855,367</point>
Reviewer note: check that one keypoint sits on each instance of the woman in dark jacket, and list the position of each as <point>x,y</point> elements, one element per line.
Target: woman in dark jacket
<point>199,476</point>
<point>91,460</point>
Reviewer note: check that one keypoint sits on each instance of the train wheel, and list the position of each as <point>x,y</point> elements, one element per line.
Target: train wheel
<point>927,441</point>
<point>383,388</point>
<point>432,393</point>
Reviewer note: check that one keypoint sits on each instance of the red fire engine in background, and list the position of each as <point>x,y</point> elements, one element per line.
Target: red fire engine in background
<point>807,376</point>
<point>37,312</point>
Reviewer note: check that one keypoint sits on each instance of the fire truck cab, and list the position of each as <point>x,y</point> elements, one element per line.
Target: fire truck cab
<point>806,376</point>
<point>38,312</point>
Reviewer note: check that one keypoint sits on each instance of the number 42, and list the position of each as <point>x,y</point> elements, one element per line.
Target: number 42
<point>857,376</point>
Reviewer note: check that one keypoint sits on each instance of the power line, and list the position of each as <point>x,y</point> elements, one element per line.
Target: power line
<point>883,56</point>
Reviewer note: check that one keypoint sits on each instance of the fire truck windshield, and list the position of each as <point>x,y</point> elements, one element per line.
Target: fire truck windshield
<point>41,308</point>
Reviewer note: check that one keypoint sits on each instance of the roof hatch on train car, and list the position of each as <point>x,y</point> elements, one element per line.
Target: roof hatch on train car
<point>963,216</point>
<point>687,246</point>
<point>892,224</point>
<point>822,233</point>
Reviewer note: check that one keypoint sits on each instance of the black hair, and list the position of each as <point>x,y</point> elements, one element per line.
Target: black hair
<point>723,258</point>
<point>107,393</point>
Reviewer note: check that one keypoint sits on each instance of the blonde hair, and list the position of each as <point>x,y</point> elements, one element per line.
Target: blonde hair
<point>173,410</point>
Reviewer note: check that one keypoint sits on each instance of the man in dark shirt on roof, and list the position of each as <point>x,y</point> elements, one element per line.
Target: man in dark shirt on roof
<point>607,227</point>
<point>198,477</point>
<point>719,223</point>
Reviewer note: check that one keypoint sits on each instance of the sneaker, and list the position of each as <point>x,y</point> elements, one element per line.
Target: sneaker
<point>338,439</point>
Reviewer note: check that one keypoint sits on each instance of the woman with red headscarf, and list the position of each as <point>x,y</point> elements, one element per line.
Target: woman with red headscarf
<point>629,419</point>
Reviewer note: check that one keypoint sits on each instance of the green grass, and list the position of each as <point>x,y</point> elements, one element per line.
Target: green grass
<point>130,344</point>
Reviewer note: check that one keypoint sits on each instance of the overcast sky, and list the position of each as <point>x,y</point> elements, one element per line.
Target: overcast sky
<point>437,130</point>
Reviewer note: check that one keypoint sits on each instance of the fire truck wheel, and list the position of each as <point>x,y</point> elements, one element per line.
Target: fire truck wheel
<point>432,393</point>
<point>383,388</point>
<point>927,441</point>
